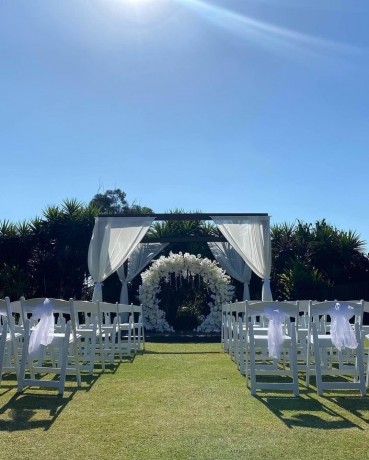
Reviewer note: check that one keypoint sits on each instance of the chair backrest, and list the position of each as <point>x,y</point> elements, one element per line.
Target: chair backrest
<point>4,318</point>
<point>16,310</point>
<point>124,308</point>
<point>14,315</point>
<point>265,308</point>
<point>237,309</point>
<point>124,312</point>
<point>304,313</point>
<point>320,312</point>
<point>61,308</point>
<point>86,312</point>
<point>137,314</point>
<point>356,307</point>
<point>3,309</point>
<point>108,312</point>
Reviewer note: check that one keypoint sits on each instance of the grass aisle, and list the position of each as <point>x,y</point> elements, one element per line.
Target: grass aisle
<point>179,401</point>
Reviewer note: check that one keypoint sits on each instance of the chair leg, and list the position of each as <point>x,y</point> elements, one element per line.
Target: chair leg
<point>317,359</point>
<point>63,362</point>
<point>22,367</point>
<point>252,365</point>
<point>293,362</point>
<point>2,347</point>
<point>360,360</point>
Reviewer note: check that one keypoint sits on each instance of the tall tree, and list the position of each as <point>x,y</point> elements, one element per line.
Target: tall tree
<point>115,202</point>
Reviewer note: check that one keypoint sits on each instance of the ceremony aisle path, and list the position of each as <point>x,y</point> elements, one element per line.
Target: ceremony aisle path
<point>179,401</point>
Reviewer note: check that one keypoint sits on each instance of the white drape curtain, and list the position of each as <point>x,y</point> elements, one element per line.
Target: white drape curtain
<point>233,264</point>
<point>137,261</point>
<point>113,239</point>
<point>250,237</point>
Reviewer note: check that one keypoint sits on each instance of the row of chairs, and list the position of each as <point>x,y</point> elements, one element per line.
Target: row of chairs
<point>275,343</point>
<point>42,337</point>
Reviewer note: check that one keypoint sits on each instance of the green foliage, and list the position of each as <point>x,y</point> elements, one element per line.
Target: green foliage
<point>307,259</point>
<point>115,202</point>
<point>300,281</point>
<point>110,202</point>
<point>183,228</point>
<point>47,256</point>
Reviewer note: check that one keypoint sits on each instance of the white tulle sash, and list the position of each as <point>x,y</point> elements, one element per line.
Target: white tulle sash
<point>43,332</point>
<point>275,331</point>
<point>342,333</point>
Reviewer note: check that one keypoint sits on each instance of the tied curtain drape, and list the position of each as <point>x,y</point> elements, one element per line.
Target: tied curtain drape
<point>137,261</point>
<point>233,264</point>
<point>250,237</point>
<point>113,239</point>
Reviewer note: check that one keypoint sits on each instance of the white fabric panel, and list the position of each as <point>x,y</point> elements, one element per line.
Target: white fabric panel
<point>124,289</point>
<point>233,264</point>
<point>275,332</point>
<point>113,239</point>
<point>137,261</point>
<point>342,333</point>
<point>43,332</point>
<point>250,237</point>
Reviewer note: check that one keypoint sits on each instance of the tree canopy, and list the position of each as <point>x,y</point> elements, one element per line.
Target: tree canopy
<point>115,202</point>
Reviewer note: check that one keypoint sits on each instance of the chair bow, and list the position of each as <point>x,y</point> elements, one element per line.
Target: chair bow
<point>275,331</point>
<point>43,332</point>
<point>342,334</point>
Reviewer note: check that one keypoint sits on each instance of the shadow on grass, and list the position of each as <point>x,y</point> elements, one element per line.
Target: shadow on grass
<point>29,411</point>
<point>39,407</point>
<point>307,411</point>
<point>356,405</point>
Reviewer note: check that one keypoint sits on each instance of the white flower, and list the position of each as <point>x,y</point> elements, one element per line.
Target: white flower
<point>184,265</point>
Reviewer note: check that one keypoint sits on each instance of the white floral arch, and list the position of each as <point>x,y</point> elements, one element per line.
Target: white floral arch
<point>184,265</point>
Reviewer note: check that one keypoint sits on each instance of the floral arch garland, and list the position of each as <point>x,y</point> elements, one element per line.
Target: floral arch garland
<point>184,265</point>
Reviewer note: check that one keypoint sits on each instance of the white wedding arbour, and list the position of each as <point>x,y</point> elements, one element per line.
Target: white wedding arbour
<point>184,265</point>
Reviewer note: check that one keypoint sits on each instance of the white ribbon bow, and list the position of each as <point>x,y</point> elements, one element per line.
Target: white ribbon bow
<point>275,332</point>
<point>43,332</point>
<point>342,334</point>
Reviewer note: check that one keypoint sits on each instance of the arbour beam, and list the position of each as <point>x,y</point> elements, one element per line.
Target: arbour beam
<point>184,216</point>
<point>184,239</point>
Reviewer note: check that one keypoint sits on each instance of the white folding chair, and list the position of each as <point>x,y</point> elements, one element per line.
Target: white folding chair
<point>302,333</point>
<point>125,326</point>
<point>10,342</point>
<point>226,318</point>
<point>87,327</point>
<point>271,359</point>
<point>235,309</point>
<point>108,319</point>
<point>138,329</point>
<point>365,334</point>
<point>3,339</point>
<point>237,330</point>
<point>56,352</point>
<point>335,352</point>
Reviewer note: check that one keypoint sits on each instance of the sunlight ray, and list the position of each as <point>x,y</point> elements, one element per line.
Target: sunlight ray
<point>267,35</point>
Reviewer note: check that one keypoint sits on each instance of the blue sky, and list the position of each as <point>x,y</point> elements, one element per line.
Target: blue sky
<point>218,106</point>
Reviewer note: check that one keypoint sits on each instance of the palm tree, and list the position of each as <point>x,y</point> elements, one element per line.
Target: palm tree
<point>309,258</point>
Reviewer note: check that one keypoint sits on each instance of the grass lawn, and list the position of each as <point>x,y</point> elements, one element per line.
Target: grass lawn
<point>179,401</point>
